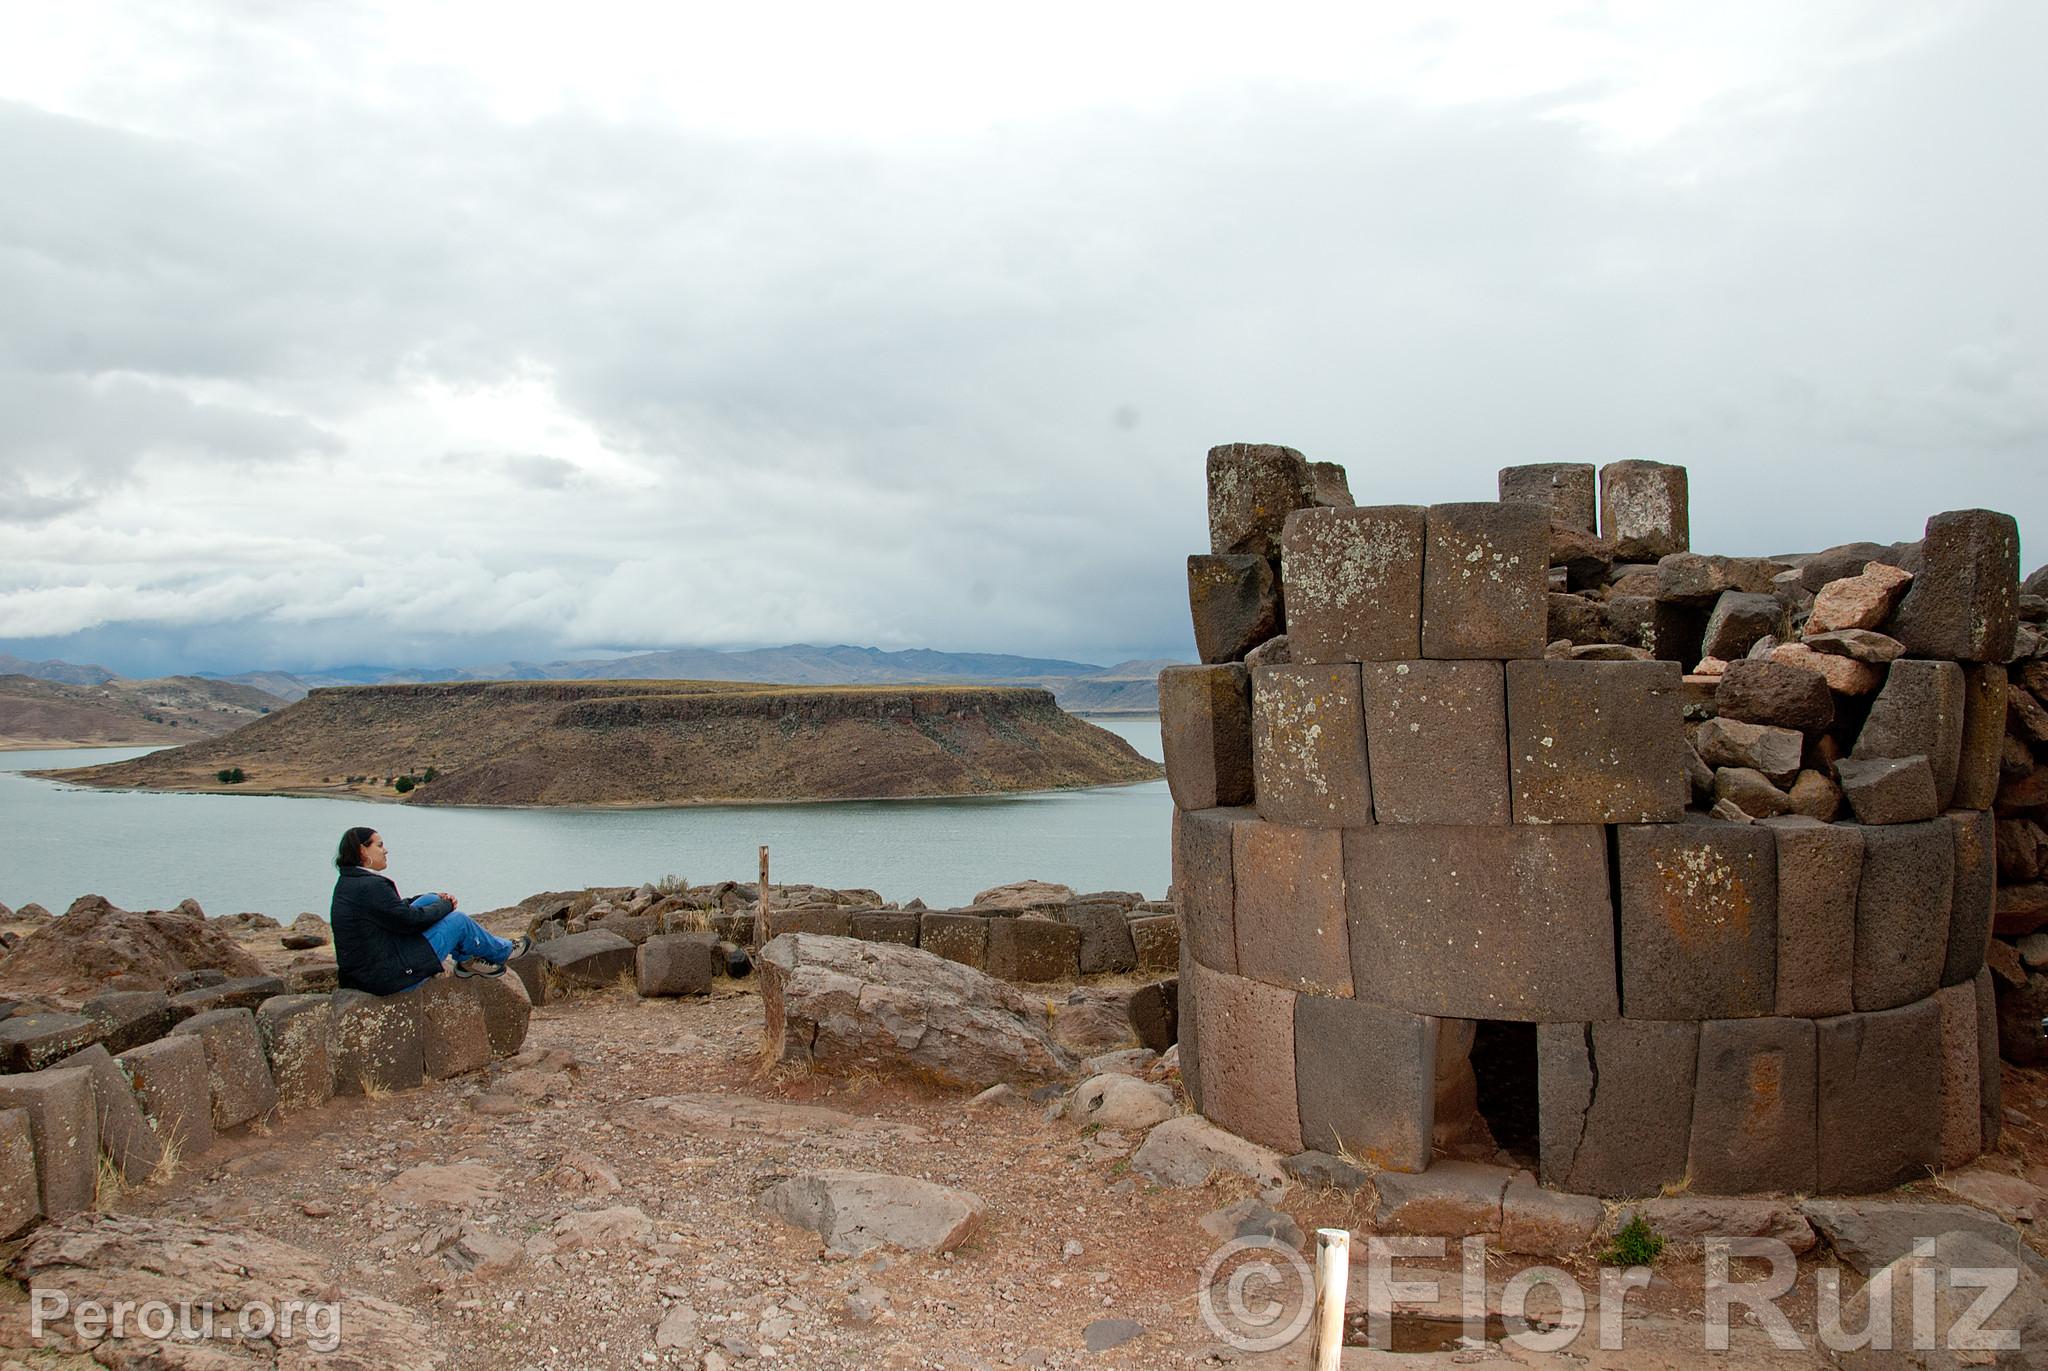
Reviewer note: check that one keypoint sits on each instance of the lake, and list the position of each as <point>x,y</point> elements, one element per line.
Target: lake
<point>275,854</point>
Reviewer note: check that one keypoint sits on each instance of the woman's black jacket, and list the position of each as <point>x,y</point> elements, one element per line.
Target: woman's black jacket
<point>377,942</point>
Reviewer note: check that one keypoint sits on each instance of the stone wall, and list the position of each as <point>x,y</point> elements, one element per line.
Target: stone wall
<point>1535,761</point>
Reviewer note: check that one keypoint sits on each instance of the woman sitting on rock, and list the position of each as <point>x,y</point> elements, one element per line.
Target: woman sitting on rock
<point>384,944</point>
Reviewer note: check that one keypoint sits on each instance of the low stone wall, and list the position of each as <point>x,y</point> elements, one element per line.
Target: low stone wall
<point>1405,806</point>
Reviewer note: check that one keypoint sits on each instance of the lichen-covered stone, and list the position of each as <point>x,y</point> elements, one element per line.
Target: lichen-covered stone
<point>1645,510</point>
<point>957,937</point>
<point>298,1036</point>
<point>1308,746</point>
<point>64,1123</point>
<point>1436,740</point>
<point>21,1198</point>
<point>126,1135</point>
<point>169,1078</point>
<point>1105,946</point>
<point>1291,928</point>
<point>1596,742</point>
<point>1157,940</point>
<point>1353,584</point>
<point>506,1010</point>
<point>129,1018</point>
<point>1699,920</point>
<point>453,1035</point>
<point>1485,581</point>
<point>378,1045</point>
<point>32,1041</point>
<point>237,1074</point>
<point>1984,710</point>
<point>1253,487</point>
<point>678,964</point>
<point>1038,950</point>
<point>1205,724</point>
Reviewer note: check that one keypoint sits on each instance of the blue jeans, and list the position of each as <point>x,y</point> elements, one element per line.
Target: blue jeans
<point>456,934</point>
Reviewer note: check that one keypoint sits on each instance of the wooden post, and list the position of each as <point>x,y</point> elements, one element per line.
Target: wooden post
<point>761,903</point>
<point>1333,1281</point>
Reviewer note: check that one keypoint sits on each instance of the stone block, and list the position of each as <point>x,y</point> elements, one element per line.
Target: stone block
<point>833,921</point>
<point>243,992</point>
<point>1773,752</point>
<point>1205,731</point>
<point>1155,1014</point>
<point>1188,1026</point>
<point>1249,1088</point>
<point>1365,1079</point>
<point>169,1078</point>
<point>1485,581</point>
<point>1919,712</point>
<point>21,1195</point>
<point>1879,1097</point>
<point>1039,950</point>
<point>1481,923</point>
<point>1291,928</point>
<point>593,959</point>
<point>1984,710</point>
<point>1308,746</point>
<point>1757,690</point>
<point>125,1133</point>
<point>1699,920</point>
<point>1451,1200</point>
<point>1353,584</point>
<point>1698,579</point>
<point>1902,912</point>
<point>1105,948</point>
<point>1739,619</point>
<point>1889,790</point>
<point>1437,741</point>
<point>1688,1222</point>
<point>378,1043</point>
<point>453,1035</point>
<point>680,963</point>
<point>1596,742</point>
<point>1645,510</point>
<point>1670,632</point>
<point>1615,1104</point>
<point>506,1011</point>
<point>1971,907</point>
<point>634,928</point>
<point>298,1038</point>
<point>129,1018</point>
<point>1962,1089</point>
<point>886,927</point>
<point>1576,619</point>
<point>1963,604</point>
<point>1157,940</point>
<point>1990,1074</point>
<point>1568,492</point>
<point>1753,1107</point>
<point>1253,487</point>
<point>1820,870</point>
<point>1235,602</point>
<point>1204,875</point>
<point>237,1075</point>
<point>961,938</point>
<point>32,1041</point>
<point>63,1121</point>
<point>1333,486</point>
<point>314,978</point>
<point>1542,1223</point>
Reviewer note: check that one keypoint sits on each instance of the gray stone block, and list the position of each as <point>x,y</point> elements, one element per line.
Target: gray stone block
<point>1820,869</point>
<point>1253,487</point>
<point>1248,1086</point>
<point>1615,1104</point>
<point>1739,619</point>
<point>887,927</point>
<point>1436,740</point>
<point>833,921</point>
<point>1991,1076</point>
<point>1485,581</point>
<point>1106,946</point>
<point>1984,709</point>
<point>63,1121</point>
<point>1353,584</point>
<point>31,1041</point>
<point>21,1197</point>
<point>1205,732</point>
<point>1568,492</point>
<point>298,1037</point>
<point>1645,510</point>
<point>593,959</point>
<point>1365,1079</point>
<point>1187,1027</point>
<point>129,1018</point>
<point>1753,1107</point>
<point>1291,928</point>
<point>243,992</point>
<point>1756,690</point>
<point>1235,602</point>
<point>1040,950</point>
<point>453,1035</point>
<point>1452,1199</point>
<point>961,938</point>
<point>1481,923</point>
<point>1879,1098</point>
<point>1888,790</point>
<point>1155,1014</point>
<point>126,1135</point>
<point>378,1043</point>
<point>1308,746</point>
<point>1919,712</point>
<point>237,1075</point>
<point>1204,875</point>
<point>1962,1091</point>
<point>680,964</point>
<point>1902,912</point>
<point>1699,920</point>
<point>1971,907</point>
<point>1963,604</point>
<point>169,1078</point>
<point>1596,742</point>
<point>1157,940</point>
<point>506,1011</point>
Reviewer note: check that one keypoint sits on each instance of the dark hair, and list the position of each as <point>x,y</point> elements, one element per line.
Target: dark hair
<point>352,844</point>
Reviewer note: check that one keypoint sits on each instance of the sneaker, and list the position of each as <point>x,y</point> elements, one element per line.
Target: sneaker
<point>521,945</point>
<point>477,966</point>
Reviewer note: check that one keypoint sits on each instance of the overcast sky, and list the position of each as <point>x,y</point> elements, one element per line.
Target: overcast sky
<point>435,334</point>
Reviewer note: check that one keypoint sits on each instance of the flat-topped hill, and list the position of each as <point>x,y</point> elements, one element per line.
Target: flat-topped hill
<point>647,743</point>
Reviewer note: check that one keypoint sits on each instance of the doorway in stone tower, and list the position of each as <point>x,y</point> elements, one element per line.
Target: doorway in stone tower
<point>1503,1057</point>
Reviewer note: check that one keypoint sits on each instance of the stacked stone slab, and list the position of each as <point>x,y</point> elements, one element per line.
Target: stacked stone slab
<point>1427,813</point>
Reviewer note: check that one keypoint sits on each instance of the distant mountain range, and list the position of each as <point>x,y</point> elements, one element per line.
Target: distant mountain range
<point>38,711</point>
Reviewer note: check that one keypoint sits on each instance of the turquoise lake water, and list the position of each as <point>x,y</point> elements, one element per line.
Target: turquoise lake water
<point>274,854</point>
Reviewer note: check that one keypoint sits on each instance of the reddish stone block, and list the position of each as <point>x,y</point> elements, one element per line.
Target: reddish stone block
<point>1187,1025</point>
<point>1699,920</point>
<point>1308,746</point>
<point>1204,876</point>
<point>1353,584</point>
<point>1645,510</point>
<point>1248,1084</point>
<point>63,1120</point>
<point>453,1035</point>
<point>1568,492</point>
<point>961,938</point>
<point>1033,950</point>
<point>1290,908</point>
<point>237,1074</point>
<point>21,1196</point>
<point>1436,738</point>
<point>1971,908</point>
<point>1820,868</point>
<point>1753,1107</point>
<point>1253,487</point>
<point>1157,940</point>
<point>1962,1091</point>
<point>1879,1097</point>
<point>886,926</point>
<point>1902,912</point>
<point>1506,922</point>
<point>1366,1081</point>
<point>1984,709</point>
<point>1596,742</point>
<point>1991,1076</point>
<point>169,1077</point>
<point>1235,602</point>
<point>1918,713</point>
<point>1485,581</point>
<point>126,1136</point>
<point>1205,730</point>
<point>377,1044</point>
<point>1615,1104</point>
<point>297,1033</point>
<point>1963,605</point>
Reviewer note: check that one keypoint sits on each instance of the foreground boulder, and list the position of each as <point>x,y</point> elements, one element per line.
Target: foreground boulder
<point>858,1211</point>
<point>95,942</point>
<point>843,1004</point>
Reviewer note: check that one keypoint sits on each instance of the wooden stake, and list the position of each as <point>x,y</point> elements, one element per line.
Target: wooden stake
<point>761,903</point>
<point>1333,1281</point>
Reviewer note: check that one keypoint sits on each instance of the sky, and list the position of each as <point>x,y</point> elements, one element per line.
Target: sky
<point>439,334</point>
